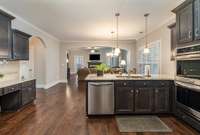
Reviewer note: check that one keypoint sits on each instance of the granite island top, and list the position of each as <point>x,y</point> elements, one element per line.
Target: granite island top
<point>113,77</point>
<point>13,81</point>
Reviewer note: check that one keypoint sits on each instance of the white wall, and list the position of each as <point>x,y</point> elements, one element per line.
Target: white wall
<point>52,51</point>
<point>129,45</point>
<point>162,34</point>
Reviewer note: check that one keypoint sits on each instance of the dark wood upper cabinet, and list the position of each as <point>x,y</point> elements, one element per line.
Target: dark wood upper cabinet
<point>173,36</point>
<point>20,50</point>
<point>5,35</point>
<point>124,100</point>
<point>162,100</point>
<point>184,18</point>
<point>197,19</point>
<point>144,100</point>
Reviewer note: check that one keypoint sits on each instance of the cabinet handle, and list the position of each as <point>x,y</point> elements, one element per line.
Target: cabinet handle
<point>137,91</point>
<point>132,91</point>
<point>124,84</point>
<point>156,90</point>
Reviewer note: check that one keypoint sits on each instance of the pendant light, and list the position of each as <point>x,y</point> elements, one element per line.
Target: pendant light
<point>117,49</point>
<point>111,54</point>
<point>146,48</point>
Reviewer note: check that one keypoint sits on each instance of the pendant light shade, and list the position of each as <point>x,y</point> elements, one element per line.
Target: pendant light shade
<point>146,48</point>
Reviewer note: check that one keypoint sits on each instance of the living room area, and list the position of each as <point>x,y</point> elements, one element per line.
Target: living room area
<point>82,60</point>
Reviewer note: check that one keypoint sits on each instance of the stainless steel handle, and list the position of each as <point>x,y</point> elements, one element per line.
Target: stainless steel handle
<point>197,32</point>
<point>188,86</point>
<point>100,84</point>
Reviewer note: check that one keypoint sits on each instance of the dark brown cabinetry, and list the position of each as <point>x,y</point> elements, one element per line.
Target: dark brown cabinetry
<point>185,24</point>
<point>143,100</point>
<point>20,49</point>
<point>28,92</point>
<point>142,97</point>
<point>14,97</point>
<point>124,99</point>
<point>5,35</point>
<point>188,23</point>
<point>196,19</point>
<point>173,36</point>
<point>162,100</point>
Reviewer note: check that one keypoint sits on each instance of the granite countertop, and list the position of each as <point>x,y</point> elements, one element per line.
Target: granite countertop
<point>13,81</point>
<point>112,77</point>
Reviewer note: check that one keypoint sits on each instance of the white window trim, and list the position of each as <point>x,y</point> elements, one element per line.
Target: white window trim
<point>151,44</point>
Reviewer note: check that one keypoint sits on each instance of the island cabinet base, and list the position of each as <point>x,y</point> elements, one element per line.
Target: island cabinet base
<point>143,97</point>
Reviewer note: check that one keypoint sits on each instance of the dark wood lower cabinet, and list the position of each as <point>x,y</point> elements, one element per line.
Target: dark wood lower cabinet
<point>142,97</point>
<point>124,100</point>
<point>16,96</point>
<point>144,100</point>
<point>162,100</point>
<point>28,94</point>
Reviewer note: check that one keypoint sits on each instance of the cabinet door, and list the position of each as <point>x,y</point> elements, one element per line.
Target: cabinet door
<point>162,100</point>
<point>197,19</point>
<point>124,100</point>
<point>5,37</point>
<point>20,46</point>
<point>144,100</point>
<point>185,24</point>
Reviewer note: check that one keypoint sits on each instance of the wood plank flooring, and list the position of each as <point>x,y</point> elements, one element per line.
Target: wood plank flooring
<point>60,110</point>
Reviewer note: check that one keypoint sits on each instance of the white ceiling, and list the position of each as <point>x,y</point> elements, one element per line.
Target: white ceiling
<point>79,20</point>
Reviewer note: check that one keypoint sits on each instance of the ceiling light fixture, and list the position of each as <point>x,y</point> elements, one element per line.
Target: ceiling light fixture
<point>146,48</point>
<point>117,49</point>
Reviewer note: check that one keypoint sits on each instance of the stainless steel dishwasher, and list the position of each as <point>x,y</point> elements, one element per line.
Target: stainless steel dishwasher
<point>100,98</point>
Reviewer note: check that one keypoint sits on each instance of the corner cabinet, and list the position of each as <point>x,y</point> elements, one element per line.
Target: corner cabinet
<point>20,48</point>
<point>5,35</point>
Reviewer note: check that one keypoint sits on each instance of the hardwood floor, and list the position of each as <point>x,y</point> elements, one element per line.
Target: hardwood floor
<point>61,111</point>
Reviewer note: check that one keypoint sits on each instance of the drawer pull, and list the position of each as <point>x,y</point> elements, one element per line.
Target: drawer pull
<point>124,84</point>
<point>132,91</point>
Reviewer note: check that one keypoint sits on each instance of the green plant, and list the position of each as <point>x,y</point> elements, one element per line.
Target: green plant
<point>1,75</point>
<point>102,67</point>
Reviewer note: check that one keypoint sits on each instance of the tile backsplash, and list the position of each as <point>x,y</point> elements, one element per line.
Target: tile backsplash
<point>10,69</point>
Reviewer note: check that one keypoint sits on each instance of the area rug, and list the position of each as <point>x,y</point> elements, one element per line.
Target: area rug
<point>141,124</point>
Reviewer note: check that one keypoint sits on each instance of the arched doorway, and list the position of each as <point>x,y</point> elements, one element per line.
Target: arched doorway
<point>37,61</point>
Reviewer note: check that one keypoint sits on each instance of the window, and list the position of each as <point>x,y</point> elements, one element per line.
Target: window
<point>152,59</point>
<point>78,62</point>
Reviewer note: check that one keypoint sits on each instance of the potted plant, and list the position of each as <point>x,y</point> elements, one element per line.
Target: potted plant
<point>1,75</point>
<point>101,69</point>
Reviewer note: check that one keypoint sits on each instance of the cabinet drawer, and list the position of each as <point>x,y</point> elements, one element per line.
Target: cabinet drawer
<point>10,89</point>
<point>28,84</point>
<point>143,83</point>
<point>123,84</point>
<point>161,83</point>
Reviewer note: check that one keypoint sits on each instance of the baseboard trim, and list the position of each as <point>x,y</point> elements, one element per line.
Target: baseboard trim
<point>54,83</point>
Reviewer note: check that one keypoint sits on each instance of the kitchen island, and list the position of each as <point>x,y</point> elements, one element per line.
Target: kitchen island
<point>134,94</point>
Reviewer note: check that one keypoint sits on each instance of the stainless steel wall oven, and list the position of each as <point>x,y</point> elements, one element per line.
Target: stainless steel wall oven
<point>188,80</point>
